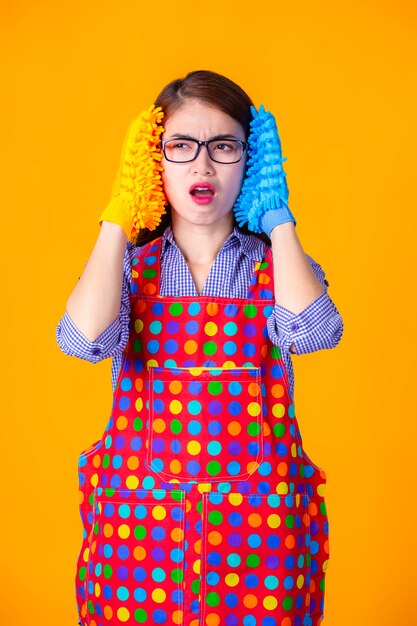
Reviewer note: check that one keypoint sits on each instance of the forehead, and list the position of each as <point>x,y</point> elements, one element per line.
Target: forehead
<point>201,120</point>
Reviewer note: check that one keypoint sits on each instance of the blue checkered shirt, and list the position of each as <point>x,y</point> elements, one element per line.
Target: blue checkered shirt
<point>317,327</point>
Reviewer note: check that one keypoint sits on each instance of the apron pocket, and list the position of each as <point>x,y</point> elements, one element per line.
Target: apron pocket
<point>205,424</point>
<point>255,559</point>
<point>135,566</point>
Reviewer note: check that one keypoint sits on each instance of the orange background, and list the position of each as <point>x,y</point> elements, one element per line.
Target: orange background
<point>338,77</point>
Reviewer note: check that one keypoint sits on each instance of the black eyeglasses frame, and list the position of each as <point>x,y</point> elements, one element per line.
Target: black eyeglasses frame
<point>244,145</point>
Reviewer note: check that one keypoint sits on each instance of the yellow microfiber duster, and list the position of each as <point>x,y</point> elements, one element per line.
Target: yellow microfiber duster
<point>138,199</point>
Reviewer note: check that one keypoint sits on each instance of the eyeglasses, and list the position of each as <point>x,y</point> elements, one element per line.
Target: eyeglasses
<point>185,150</point>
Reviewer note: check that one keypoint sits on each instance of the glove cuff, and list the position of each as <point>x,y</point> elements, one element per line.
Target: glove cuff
<point>274,217</point>
<point>119,210</point>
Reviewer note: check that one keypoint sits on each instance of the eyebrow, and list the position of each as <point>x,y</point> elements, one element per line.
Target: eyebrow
<point>227,136</point>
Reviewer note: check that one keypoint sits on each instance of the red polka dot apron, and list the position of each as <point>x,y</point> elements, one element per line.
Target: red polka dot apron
<point>199,505</point>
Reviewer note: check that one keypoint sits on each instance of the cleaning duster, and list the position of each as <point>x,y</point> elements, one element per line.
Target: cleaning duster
<point>263,199</point>
<point>138,199</point>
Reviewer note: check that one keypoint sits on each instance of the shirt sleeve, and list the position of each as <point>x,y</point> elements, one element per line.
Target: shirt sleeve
<point>112,340</point>
<point>319,326</point>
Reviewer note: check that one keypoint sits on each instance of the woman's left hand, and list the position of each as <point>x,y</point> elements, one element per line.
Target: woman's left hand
<point>274,217</point>
<point>263,200</point>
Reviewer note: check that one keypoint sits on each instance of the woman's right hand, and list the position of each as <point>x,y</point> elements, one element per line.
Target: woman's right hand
<point>137,199</point>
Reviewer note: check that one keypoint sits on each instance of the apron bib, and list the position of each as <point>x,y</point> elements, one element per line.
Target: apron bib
<point>199,505</point>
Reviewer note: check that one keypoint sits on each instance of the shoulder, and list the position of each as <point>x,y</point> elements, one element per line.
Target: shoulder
<point>131,257</point>
<point>132,250</point>
<point>252,245</point>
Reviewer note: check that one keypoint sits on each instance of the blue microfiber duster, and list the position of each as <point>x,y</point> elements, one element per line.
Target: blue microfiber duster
<point>263,198</point>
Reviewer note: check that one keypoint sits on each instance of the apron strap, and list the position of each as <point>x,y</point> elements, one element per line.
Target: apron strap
<point>262,283</point>
<point>146,269</point>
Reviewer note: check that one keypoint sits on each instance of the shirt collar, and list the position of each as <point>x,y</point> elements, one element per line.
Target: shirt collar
<point>251,245</point>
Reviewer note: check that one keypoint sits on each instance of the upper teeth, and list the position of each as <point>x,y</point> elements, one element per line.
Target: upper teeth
<point>201,188</point>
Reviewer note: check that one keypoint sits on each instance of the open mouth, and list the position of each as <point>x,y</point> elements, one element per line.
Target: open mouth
<point>202,191</point>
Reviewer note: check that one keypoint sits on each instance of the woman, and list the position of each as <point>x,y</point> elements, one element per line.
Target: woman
<point>199,504</point>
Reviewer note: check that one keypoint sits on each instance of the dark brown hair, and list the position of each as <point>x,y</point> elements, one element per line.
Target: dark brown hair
<point>218,91</point>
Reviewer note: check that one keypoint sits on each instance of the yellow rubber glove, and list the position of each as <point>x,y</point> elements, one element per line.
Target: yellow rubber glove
<point>137,199</point>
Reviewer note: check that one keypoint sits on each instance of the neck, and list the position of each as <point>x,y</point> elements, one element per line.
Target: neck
<point>198,243</point>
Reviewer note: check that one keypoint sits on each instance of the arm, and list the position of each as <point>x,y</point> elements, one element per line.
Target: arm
<point>111,341</point>
<point>318,327</point>
<point>108,334</point>
<point>137,200</point>
<point>263,203</point>
<point>95,300</point>
<point>295,283</point>
<point>299,323</point>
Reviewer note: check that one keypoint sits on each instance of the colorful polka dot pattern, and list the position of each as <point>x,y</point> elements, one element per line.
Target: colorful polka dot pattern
<point>195,440</point>
<point>199,505</point>
<point>134,540</point>
<point>242,571</point>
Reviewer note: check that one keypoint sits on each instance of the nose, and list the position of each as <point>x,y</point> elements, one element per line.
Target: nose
<point>202,162</point>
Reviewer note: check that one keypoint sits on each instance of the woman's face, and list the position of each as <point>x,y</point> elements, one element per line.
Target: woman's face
<point>204,122</point>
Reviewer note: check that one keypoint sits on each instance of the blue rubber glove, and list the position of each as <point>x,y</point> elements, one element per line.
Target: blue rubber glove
<point>263,198</point>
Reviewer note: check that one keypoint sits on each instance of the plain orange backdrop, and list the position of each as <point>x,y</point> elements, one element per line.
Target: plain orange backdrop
<point>340,79</point>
